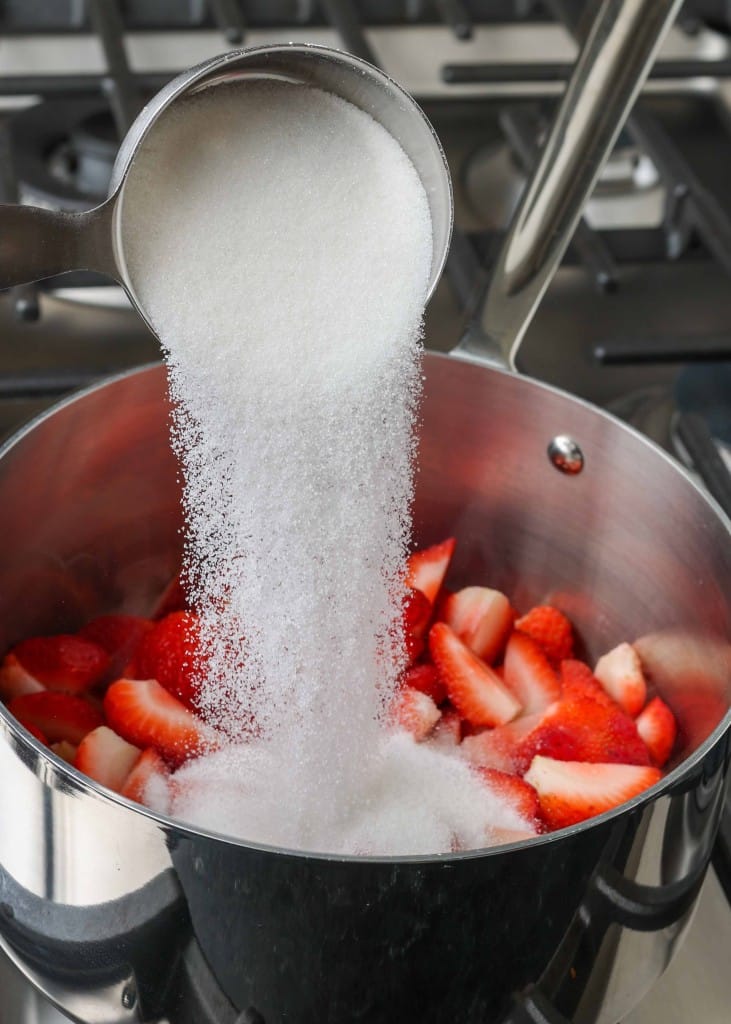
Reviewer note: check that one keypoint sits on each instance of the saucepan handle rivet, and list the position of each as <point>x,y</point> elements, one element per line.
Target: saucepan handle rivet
<point>566,455</point>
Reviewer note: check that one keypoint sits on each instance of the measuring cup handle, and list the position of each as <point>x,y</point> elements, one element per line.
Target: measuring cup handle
<point>37,243</point>
<point>609,73</point>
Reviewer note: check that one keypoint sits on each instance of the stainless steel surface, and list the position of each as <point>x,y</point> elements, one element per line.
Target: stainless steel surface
<point>629,506</point>
<point>37,243</point>
<point>610,71</point>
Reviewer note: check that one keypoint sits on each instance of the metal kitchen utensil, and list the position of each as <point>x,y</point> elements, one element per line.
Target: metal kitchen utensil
<point>37,243</point>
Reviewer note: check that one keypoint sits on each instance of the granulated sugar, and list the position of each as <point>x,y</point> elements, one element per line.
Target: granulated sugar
<point>285,269</point>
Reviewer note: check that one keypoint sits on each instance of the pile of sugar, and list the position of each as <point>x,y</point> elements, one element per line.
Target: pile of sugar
<point>285,267</point>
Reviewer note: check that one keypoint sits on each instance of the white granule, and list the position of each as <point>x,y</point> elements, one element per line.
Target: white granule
<point>285,265</point>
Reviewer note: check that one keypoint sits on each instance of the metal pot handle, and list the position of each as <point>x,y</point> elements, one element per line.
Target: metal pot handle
<point>609,73</point>
<point>37,243</point>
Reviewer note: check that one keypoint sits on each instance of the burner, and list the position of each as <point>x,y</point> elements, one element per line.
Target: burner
<point>63,152</point>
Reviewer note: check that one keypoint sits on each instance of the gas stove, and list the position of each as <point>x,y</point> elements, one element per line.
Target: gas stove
<point>636,320</point>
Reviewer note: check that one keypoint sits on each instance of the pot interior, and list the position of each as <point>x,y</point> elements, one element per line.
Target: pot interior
<point>90,522</point>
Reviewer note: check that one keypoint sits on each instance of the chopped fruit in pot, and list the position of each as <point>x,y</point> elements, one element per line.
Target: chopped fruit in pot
<point>119,635</point>
<point>657,727</point>
<point>579,682</point>
<point>571,791</point>
<point>416,712</point>
<point>427,568</point>
<point>417,615</point>
<point>474,689</point>
<point>620,673</point>
<point>59,716</point>
<point>106,757</point>
<point>529,675</point>
<point>169,653</point>
<point>144,713</point>
<point>172,599</point>
<point>516,792</point>
<point>500,693</point>
<point>64,662</point>
<point>426,678</point>
<point>481,618</point>
<point>550,629</point>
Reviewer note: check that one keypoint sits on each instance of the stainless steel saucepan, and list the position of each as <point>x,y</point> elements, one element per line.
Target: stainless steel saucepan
<point>121,915</point>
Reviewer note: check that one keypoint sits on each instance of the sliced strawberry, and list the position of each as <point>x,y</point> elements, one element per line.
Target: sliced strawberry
<point>16,680</point>
<point>172,599</point>
<point>570,791</point>
<point>64,662</point>
<point>119,635</point>
<point>550,629</point>
<point>529,675</point>
<point>144,713</point>
<point>148,780</point>
<point>106,757</point>
<point>427,568</point>
<point>65,750</point>
<point>582,730</point>
<point>426,679</point>
<point>475,690</point>
<point>169,653</point>
<point>578,682</point>
<point>416,712</point>
<point>658,728</point>
<point>481,618</point>
<point>417,613</point>
<point>507,748</point>
<point>620,673</point>
<point>448,730</point>
<point>512,790</point>
<point>59,716</point>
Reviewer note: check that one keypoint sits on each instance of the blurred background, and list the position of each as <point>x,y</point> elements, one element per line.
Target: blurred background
<point>638,319</point>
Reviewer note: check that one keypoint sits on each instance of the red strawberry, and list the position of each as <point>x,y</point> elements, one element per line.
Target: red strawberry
<point>427,568</point>
<point>59,716</point>
<point>169,653</point>
<point>570,791</point>
<point>510,789</point>
<point>475,690</point>
<point>550,629</point>
<point>426,679</point>
<point>119,635</point>
<point>578,682</point>
<point>416,712</point>
<point>529,675</point>
<point>481,618</point>
<point>106,757</point>
<point>657,727</point>
<point>582,730</point>
<point>15,680</point>
<point>507,748</point>
<point>620,673</point>
<point>500,836</point>
<point>150,775</point>
<point>417,613</point>
<point>172,599</point>
<point>64,662</point>
<point>144,713</point>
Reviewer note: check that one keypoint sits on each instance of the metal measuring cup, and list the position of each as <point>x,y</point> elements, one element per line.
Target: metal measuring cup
<point>37,243</point>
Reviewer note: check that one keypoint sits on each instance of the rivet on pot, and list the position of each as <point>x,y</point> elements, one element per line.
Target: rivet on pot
<point>129,996</point>
<point>566,455</point>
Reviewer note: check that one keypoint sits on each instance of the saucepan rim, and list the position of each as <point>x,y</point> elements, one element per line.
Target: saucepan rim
<point>86,786</point>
